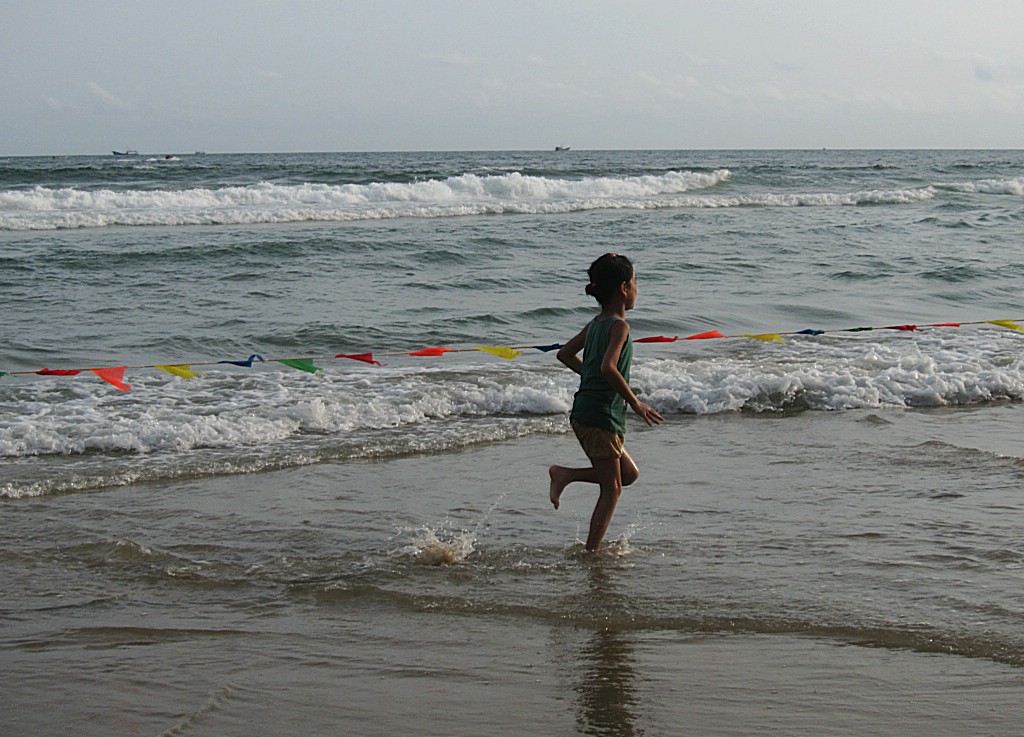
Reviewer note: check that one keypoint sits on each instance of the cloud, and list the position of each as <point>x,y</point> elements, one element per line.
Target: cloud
<point>106,96</point>
<point>451,59</point>
<point>680,88</point>
<point>493,83</point>
<point>983,73</point>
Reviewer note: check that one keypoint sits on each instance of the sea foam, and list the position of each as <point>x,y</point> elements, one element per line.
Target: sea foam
<point>219,423</point>
<point>220,410</point>
<point>1013,186</point>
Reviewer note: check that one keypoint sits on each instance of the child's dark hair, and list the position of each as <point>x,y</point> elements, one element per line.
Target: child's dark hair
<point>606,274</point>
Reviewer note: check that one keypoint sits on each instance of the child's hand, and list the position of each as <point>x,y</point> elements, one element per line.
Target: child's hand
<point>649,415</point>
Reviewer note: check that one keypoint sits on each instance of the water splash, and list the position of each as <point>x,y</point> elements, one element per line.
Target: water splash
<point>444,546</point>
<point>439,547</point>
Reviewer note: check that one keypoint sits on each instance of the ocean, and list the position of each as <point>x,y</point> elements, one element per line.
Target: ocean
<point>264,538</point>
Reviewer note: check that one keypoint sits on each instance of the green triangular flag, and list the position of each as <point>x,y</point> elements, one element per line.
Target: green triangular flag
<point>302,364</point>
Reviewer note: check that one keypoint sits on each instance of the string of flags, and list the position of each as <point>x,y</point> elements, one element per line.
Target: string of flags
<point>114,375</point>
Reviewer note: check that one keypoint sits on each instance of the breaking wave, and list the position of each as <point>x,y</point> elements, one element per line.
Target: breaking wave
<point>45,208</point>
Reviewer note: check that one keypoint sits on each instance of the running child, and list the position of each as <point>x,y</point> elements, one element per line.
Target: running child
<point>598,414</point>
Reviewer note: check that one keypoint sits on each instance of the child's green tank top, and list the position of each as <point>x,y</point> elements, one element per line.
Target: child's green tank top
<point>596,403</point>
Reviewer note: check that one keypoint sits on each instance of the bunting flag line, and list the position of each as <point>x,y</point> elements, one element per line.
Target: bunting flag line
<point>114,375</point>
<point>777,337</point>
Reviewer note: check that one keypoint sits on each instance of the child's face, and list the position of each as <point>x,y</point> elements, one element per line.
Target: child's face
<point>631,293</point>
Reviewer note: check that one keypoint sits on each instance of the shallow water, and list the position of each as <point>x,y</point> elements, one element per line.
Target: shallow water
<point>743,586</point>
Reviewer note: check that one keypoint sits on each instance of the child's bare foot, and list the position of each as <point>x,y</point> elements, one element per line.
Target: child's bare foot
<point>559,480</point>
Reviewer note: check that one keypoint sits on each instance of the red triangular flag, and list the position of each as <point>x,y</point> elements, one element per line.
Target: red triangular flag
<point>657,339</point>
<point>944,325</point>
<point>58,372</point>
<point>364,357</point>
<point>431,352</point>
<point>113,375</point>
<point>702,336</point>
<point>901,327</point>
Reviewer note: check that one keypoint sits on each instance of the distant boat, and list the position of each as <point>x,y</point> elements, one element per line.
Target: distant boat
<point>129,152</point>
<point>561,148</point>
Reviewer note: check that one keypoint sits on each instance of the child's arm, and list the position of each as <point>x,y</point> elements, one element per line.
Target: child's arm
<point>568,353</point>
<point>610,370</point>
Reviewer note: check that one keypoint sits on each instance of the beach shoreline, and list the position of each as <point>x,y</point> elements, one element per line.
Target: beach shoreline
<point>825,537</point>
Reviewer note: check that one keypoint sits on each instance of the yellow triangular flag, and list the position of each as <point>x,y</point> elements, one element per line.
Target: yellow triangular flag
<point>1007,324</point>
<point>502,351</point>
<point>183,370</point>
<point>769,337</point>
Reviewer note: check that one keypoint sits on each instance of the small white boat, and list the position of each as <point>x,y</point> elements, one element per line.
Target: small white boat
<point>561,148</point>
<point>129,152</point>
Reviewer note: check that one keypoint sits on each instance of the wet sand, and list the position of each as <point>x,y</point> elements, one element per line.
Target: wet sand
<point>491,676</point>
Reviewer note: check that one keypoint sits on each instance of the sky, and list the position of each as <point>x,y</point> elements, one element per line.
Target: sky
<point>87,77</point>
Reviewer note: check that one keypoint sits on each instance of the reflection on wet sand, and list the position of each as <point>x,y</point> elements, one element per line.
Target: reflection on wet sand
<point>606,695</point>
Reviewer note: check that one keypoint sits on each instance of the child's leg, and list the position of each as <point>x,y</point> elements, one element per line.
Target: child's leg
<point>609,475</point>
<point>562,476</point>
<point>628,469</point>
